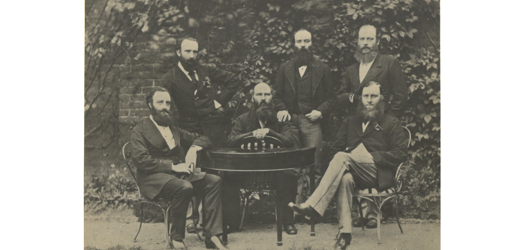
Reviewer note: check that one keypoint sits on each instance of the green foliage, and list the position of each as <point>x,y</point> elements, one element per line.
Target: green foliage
<point>252,38</point>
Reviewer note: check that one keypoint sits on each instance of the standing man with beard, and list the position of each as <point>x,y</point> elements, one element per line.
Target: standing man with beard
<point>261,122</point>
<point>372,145</point>
<point>372,66</point>
<point>193,88</point>
<point>304,95</point>
<point>165,171</point>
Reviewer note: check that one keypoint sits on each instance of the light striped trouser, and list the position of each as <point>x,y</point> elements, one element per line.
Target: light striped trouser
<point>341,178</point>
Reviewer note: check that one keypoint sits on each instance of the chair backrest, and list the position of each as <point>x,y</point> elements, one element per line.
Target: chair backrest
<point>399,183</point>
<point>127,156</point>
<point>249,143</point>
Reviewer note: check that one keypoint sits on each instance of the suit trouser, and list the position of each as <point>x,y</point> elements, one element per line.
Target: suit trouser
<point>180,192</point>
<point>310,136</point>
<point>341,178</point>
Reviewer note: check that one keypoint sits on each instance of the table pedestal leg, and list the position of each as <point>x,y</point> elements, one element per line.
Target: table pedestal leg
<point>224,237</point>
<point>279,207</point>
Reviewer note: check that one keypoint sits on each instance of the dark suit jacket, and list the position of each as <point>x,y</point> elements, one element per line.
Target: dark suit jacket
<point>153,158</point>
<point>385,70</point>
<point>321,87</point>
<point>246,123</point>
<point>193,108</point>
<point>385,140</point>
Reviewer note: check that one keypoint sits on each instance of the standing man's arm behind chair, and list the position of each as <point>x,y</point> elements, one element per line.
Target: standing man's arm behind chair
<point>228,81</point>
<point>330,102</point>
<point>398,88</point>
<point>278,87</point>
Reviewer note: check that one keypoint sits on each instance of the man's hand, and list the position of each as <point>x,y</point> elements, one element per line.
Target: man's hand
<point>192,156</point>
<point>314,115</point>
<point>260,133</point>
<point>283,116</point>
<point>183,168</point>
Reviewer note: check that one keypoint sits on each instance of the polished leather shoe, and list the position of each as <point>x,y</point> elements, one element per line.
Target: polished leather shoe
<point>372,223</point>
<point>361,221</point>
<point>178,245</point>
<point>343,242</point>
<point>303,209</point>
<point>215,243</point>
<point>191,229</point>
<point>290,229</point>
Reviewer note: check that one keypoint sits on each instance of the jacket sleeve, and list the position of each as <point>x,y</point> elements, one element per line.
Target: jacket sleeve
<point>189,139</point>
<point>285,134</point>
<point>329,104</point>
<point>345,91</point>
<point>397,142</point>
<point>228,81</point>
<point>398,88</point>
<point>142,158</point>
<point>279,89</point>
<point>342,137</point>
<point>236,132</point>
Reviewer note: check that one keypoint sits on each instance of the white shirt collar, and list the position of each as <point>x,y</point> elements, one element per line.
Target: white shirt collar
<point>364,126</point>
<point>166,133</point>
<point>186,72</point>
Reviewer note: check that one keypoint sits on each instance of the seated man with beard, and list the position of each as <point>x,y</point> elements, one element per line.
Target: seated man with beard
<point>261,122</point>
<point>372,145</point>
<point>165,169</point>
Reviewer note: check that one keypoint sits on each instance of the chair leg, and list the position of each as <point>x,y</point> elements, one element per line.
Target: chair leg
<point>140,222</point>
<point>360,211</point>
<point>379,227</point>
<point>397,213</point>
<point>194,219</point>
<point>312,171</point>
<point>167,226</point>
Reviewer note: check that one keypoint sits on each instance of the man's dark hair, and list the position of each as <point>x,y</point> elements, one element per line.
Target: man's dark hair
<point>180,41</point>
<point>152,91</point>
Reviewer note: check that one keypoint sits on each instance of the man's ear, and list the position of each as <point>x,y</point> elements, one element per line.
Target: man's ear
<point>178,52</point>
<point>150,106</point>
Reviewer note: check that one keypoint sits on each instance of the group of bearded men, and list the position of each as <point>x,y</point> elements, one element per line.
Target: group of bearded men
<point>293,109</point>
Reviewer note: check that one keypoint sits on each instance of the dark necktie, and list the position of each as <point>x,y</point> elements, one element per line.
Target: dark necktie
<point>192,75</point>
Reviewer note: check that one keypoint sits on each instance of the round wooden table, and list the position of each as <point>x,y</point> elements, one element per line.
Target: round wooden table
<point>267,160</point>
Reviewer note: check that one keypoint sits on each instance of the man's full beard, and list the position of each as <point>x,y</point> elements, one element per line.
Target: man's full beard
<point>189,64</point>
<point>264,111</point>
<point>371,114</point>
<point>368,56</point>
<point>303,56</point>
<point>163,117</point>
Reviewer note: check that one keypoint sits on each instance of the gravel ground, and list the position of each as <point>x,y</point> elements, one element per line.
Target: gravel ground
<point>119,228</point>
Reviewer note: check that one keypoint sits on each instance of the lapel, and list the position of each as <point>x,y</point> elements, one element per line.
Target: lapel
<point>201,75</point>
<point>175,133</point>
<point>375,69</point>
<point>153,135</point>
<point>317,75</point>
<point>357,125</point>
<point>290,74</point>
<point>182,82</point>
<point>354,76</point>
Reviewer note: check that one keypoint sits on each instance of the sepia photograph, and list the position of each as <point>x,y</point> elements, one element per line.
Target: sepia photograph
<point>262,124</point>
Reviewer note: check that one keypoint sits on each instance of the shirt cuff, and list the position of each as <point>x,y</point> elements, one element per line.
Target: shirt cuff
<point>217,104</point>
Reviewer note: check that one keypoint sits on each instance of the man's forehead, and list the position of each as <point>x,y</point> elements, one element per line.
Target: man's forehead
<point>372,89</point>
<point>161,95</point>
<point>262,88</point>
<point>189,45</point>
<point>367,31</point>
<point>303,34</point>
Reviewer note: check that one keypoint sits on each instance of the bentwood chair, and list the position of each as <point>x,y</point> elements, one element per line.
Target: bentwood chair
<point>256,182</point>
<point>162,204</point>
<point>379,198</point>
